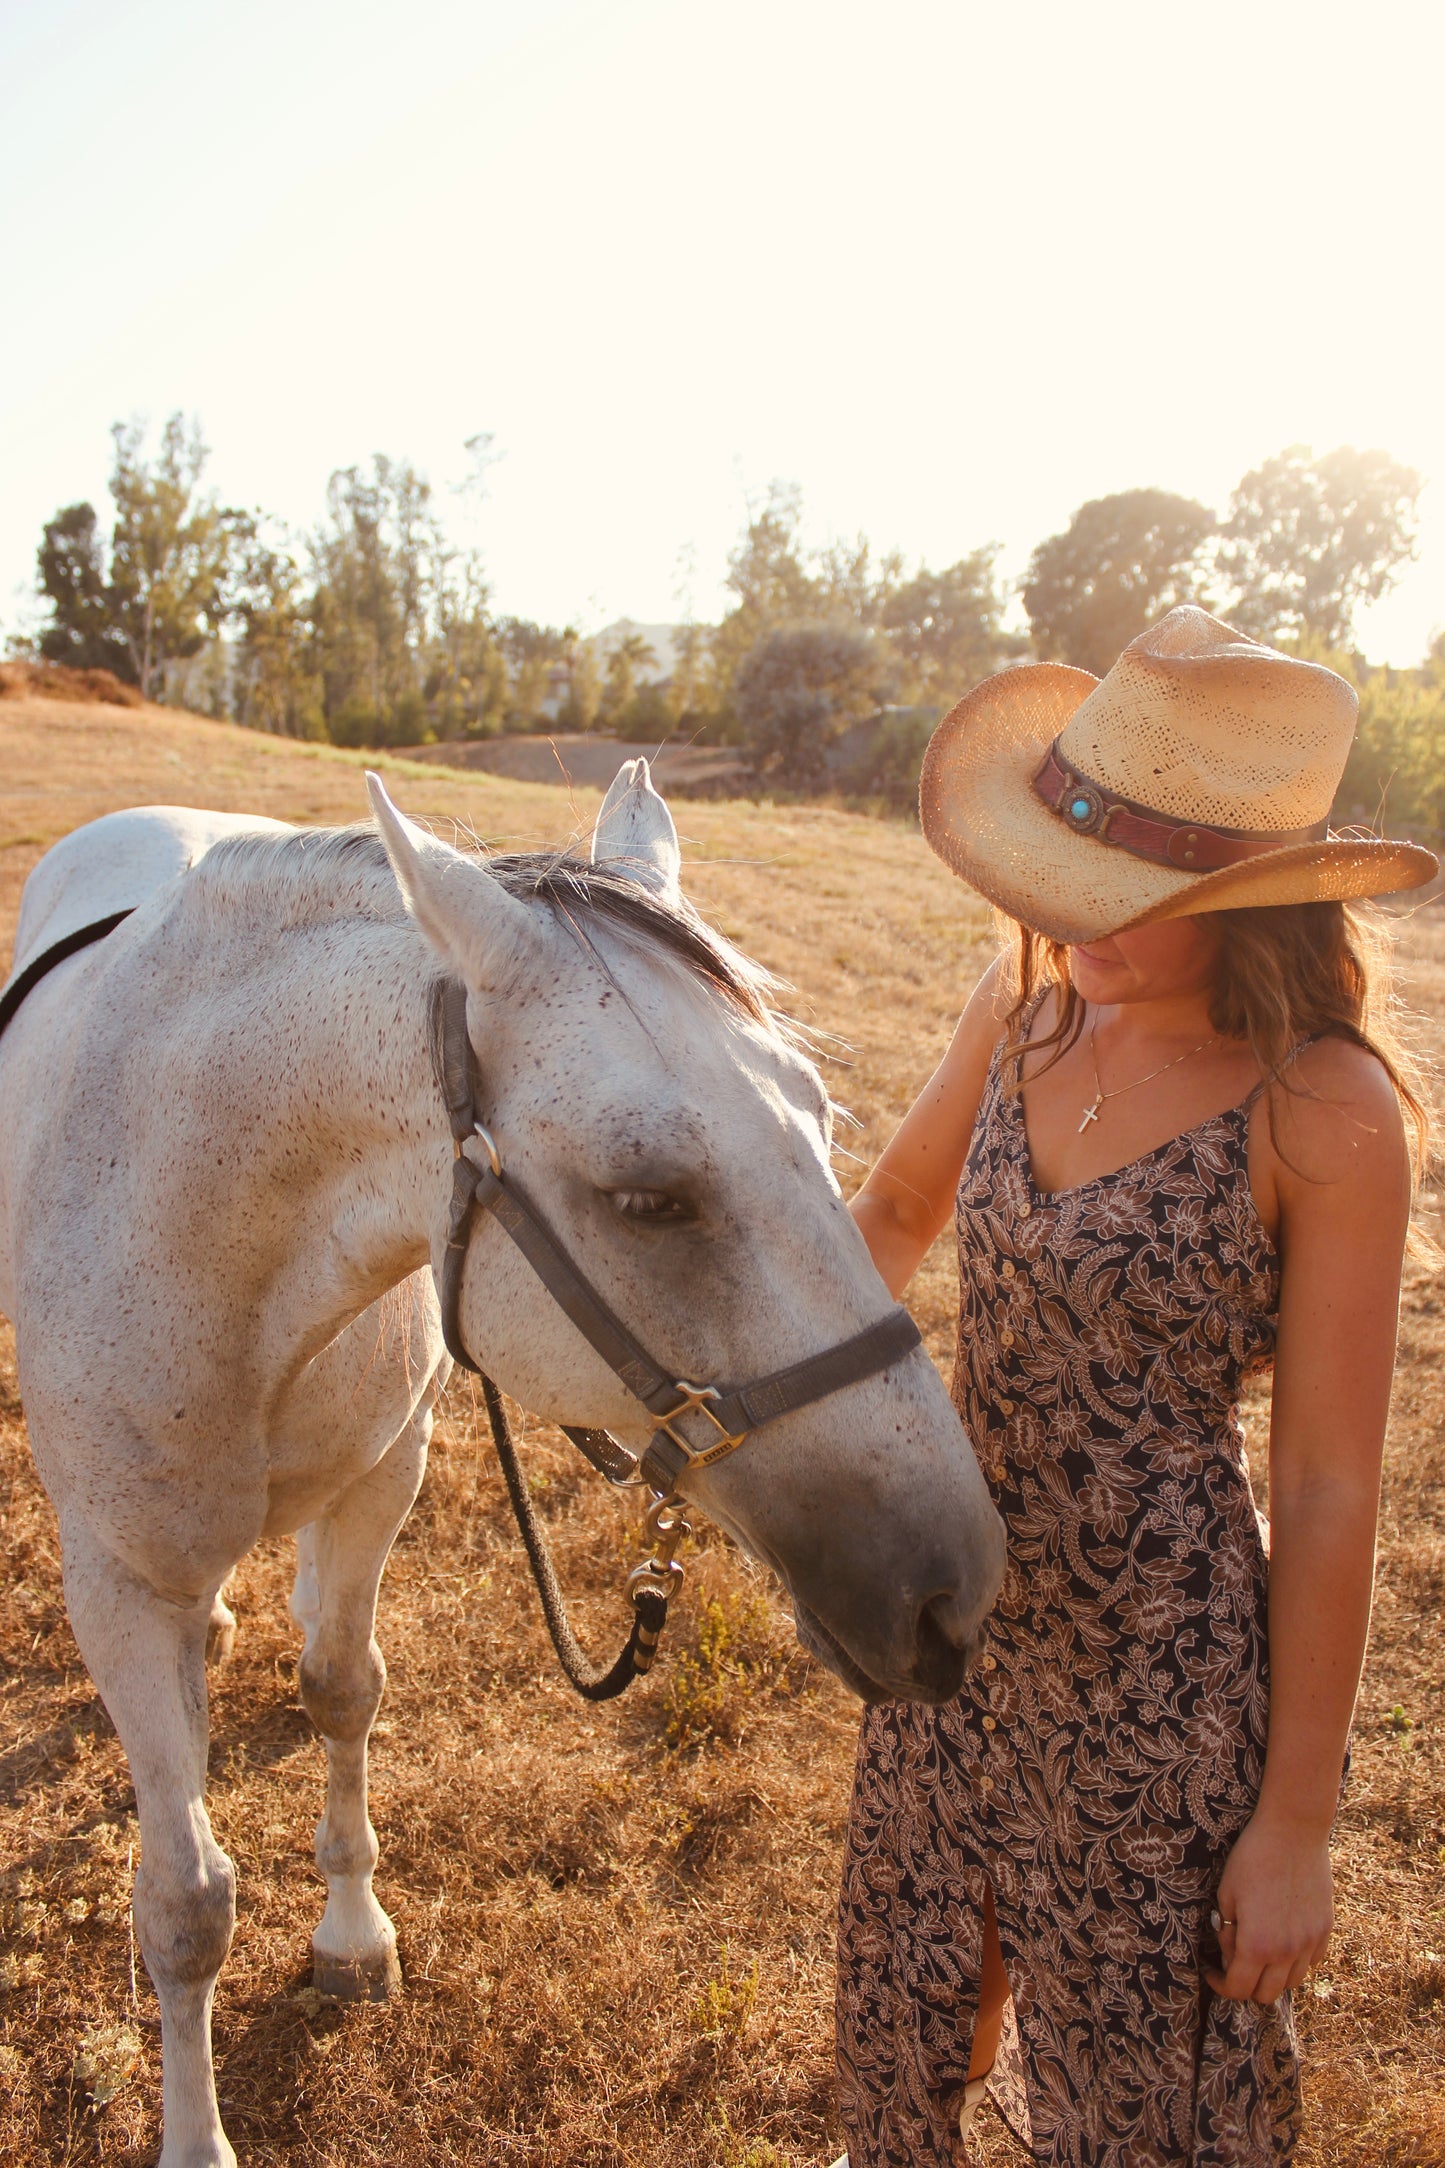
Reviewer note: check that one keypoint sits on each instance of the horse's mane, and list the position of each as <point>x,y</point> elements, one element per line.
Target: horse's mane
<point>320,873</point>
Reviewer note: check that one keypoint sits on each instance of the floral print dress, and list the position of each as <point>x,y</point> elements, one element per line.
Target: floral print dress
<point>1108,1749</point>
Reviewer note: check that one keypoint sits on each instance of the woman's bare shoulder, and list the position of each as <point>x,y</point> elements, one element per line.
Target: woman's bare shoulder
<point>1336,1116</point>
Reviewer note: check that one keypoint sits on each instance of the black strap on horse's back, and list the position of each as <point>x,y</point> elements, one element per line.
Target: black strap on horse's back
<point>69,945</point>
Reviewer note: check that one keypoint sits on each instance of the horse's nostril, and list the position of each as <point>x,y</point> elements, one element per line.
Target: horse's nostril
<point>946,1646</point>
<point>949,1618</point>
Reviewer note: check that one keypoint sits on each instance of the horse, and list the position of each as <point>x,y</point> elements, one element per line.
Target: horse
<point>225,1166</point>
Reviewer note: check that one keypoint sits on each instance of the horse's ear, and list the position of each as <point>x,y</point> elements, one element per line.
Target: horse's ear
<point>483,933</point>
<point>634,833</point>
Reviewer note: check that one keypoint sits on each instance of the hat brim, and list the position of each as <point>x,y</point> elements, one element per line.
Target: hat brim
<point>981,816</point>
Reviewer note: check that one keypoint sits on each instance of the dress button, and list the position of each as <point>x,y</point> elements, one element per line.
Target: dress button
<point>985,1784</point>
<point>998,1471</point>
<point>1006,1338</point>
<point>990,1663</point>
<point>1024,1209</point>
<point>990,1723</point>
<point>1005,1405</point>
<point>1008,1268</point>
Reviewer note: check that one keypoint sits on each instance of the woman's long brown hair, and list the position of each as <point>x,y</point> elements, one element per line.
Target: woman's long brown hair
<point>1286,972</point>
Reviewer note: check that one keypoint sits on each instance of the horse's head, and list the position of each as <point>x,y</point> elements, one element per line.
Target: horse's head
<point>677,1144</point>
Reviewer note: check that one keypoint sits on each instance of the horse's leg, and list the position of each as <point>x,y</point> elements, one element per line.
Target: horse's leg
<point>147,1655</point>
<point>220,1629</point>
<point>339,1561</point>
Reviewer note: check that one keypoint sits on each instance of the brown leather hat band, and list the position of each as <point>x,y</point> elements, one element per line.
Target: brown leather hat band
<point>1190,846</point>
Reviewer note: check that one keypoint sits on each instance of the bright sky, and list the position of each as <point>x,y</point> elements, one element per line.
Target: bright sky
<point>953,268</point>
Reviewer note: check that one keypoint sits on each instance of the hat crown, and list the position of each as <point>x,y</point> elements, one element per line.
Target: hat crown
<point>1198,722</point>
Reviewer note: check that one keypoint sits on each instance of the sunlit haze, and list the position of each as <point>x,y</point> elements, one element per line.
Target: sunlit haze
<point>951,269</point>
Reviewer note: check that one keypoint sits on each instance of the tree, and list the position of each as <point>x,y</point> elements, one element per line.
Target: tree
<point>945,629</point>
<point>634,652</point>
<point>533,653</point>
<point>1119,564</point>
<point>689,689</point>
<point>796,692</point>
<point>466,686</point>
<point>767,574</point>
<point>369,562</point>
<point>172,550</point>
<point>1308,540</point>
<point>73,579</point>
<point>1395,776</point>
<point>163,587</point>
<point>584,687</point>
<point>851,586</point>
<point>274,685</point>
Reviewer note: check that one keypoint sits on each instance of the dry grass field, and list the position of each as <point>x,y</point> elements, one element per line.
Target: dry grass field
<point>616,1925</point>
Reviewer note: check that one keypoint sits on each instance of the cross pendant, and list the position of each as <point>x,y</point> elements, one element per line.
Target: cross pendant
<point>1091,1114</point>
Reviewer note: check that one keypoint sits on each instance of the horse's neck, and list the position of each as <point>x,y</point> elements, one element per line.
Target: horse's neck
<point>351,1160</point>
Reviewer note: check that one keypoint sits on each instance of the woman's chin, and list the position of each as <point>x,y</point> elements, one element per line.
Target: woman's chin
<point>1097,978</point>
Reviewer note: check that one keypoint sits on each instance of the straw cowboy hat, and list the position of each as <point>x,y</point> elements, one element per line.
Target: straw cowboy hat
<point>1197,776</point>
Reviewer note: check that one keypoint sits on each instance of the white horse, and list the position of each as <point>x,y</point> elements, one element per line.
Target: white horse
<point>224,1177</point>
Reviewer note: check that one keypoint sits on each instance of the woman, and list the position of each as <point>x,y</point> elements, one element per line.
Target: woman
<point>1174,1118</point>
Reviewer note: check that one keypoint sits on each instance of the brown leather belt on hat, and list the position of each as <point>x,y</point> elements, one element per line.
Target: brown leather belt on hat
<point>1191,846</point>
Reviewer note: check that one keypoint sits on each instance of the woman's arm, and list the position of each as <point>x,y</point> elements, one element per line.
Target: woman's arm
<point>1342,1178</point>
<point>906,1201</point>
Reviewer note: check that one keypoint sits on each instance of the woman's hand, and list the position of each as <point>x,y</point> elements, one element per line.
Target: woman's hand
<point>1275,1907</point>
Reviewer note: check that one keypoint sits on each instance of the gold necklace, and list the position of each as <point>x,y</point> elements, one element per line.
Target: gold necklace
<point>1091,1114</point>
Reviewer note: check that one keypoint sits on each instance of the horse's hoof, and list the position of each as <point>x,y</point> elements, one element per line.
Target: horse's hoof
<point>352,1979</point>
<point>220,1633</point>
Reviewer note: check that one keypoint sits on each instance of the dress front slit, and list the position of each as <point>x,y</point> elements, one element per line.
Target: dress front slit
<point>1107,1750</point>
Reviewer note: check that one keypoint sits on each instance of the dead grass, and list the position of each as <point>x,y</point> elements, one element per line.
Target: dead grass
<point>616,1925</point>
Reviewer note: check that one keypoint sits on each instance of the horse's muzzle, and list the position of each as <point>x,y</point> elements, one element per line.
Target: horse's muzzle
<point>941,1658</point>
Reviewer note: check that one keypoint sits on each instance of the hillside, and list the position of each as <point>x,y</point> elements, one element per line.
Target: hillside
<point>616,1924</point>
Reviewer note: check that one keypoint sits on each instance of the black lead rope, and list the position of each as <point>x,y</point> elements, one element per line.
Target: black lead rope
<point>592,1681</point>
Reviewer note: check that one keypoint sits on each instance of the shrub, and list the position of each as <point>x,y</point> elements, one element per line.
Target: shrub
<point>710,1689</point>
<point>797,692</point>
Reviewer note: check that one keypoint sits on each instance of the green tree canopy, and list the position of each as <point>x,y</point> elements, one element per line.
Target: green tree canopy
<point>82,631</point>
<point>274,686</point>
<point>630,655</point>
<point>164,586</point>
<point>773,588</point>
<point>1308,540</point>
<point>1121,562</point>
<point>945,629</point>
<point>172,552</point>
<point>533,652</point>
<point>797,691</point>
<point>370,561</point>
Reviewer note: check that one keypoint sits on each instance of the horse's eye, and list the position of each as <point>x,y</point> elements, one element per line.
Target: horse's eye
<point>650,1207</point>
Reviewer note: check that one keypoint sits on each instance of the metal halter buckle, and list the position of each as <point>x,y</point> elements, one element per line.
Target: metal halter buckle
<point>694,1401</point>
